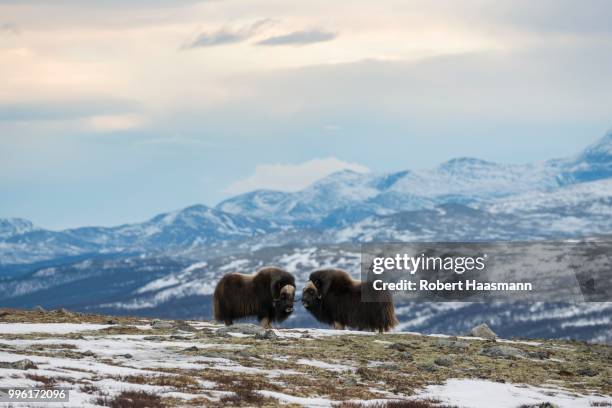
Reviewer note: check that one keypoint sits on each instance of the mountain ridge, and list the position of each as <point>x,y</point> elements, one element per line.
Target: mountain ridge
<point>341,201</point>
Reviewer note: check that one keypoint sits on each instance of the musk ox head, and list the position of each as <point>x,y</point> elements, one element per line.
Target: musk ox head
<point>283,296</point>
<point>310,295</point>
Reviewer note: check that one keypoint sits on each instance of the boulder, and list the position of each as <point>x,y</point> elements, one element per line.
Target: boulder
<point>24,364</point>
<point>484,331</point>
<point>162,324</point>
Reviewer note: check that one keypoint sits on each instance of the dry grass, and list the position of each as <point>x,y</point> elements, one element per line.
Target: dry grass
<point>132,399</point>
<point>180,382</point>
<point>43,379</point>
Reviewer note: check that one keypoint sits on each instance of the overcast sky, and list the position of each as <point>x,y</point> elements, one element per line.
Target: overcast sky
<point>113,111</point>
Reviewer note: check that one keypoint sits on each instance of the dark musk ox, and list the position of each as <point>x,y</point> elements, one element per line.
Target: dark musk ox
<point>268,294</point>
<point>333,297</point>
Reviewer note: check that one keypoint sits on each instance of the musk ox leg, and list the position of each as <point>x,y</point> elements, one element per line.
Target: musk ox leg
<point>338,326</point>
<point>265,323</point>
<point>228,322</point>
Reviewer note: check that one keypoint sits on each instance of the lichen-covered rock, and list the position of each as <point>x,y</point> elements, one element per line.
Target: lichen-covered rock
<point>24,364</point>
<point>267,335</point>
<point>161,324</point>
<point>243,328</point>
<point>184,326</point>
<point>484,331</point>
<point>454,344</point>
<point>501,352</point>
<point>444,361</point>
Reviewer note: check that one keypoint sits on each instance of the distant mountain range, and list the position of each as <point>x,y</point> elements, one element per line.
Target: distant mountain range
<point>168,265</point>
<point>461,199</point>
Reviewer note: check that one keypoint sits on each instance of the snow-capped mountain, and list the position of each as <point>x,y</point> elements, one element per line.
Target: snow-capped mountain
<point>460,199</point>
<point>195,226</point>
<point>462,180</point>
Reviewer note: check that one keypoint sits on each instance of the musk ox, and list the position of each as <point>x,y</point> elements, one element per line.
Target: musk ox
<point>333,297</point>
<point>268,294</point>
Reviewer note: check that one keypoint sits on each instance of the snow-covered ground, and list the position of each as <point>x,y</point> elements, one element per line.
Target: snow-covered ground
<point>201,365</point>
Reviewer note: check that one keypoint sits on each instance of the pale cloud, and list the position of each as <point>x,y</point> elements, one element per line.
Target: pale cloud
<point>299,38</point>
<point>292,177</point>
<point>226,36</point>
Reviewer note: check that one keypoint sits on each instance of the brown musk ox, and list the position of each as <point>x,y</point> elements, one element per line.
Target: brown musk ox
<point>333,297</point>
<point>268,295</point>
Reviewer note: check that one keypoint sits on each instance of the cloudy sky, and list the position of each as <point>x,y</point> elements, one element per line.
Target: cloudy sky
<point>112,111</point>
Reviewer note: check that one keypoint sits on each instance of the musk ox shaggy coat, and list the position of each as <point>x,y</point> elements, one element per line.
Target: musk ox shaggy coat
<point>268,295</point>
<point>333,297</point>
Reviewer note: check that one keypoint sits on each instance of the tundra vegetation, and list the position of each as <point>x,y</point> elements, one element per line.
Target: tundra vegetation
<point>130,362</point>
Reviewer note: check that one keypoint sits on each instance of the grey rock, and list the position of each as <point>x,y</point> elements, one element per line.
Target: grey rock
<point>539,354</point>
<point>587,372</point>
<point>406,355</point>
<point>112,321</point>
<point>431,367</point>
<point>88,353</point>
<point>62,311</point>
<point>39,309</point>
<point>162,324</point>
<point>247,354</point>
<point>388,366</point>
<point>454,344</point>
<point>127,355</point>
<point>243,328</point>
<point>192,349</point>
<point>214,354</point>
<point>175,337</point>
<point>349,382</point>
<point>482,330</point>
<point>267,335</point>
<point>183,326</point>
<point>444,361</point>
<point>154,338</point>
<point>501,352</point>
<point>24,364</point>
<point>400,346</point>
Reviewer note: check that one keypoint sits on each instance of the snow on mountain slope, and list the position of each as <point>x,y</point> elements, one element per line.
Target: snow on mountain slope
<point>337,190</point>
<point>14,226</point>
<point>461,180</point>
<point>194,226</point>
<point>461,198</point>
<point>590,198</point>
